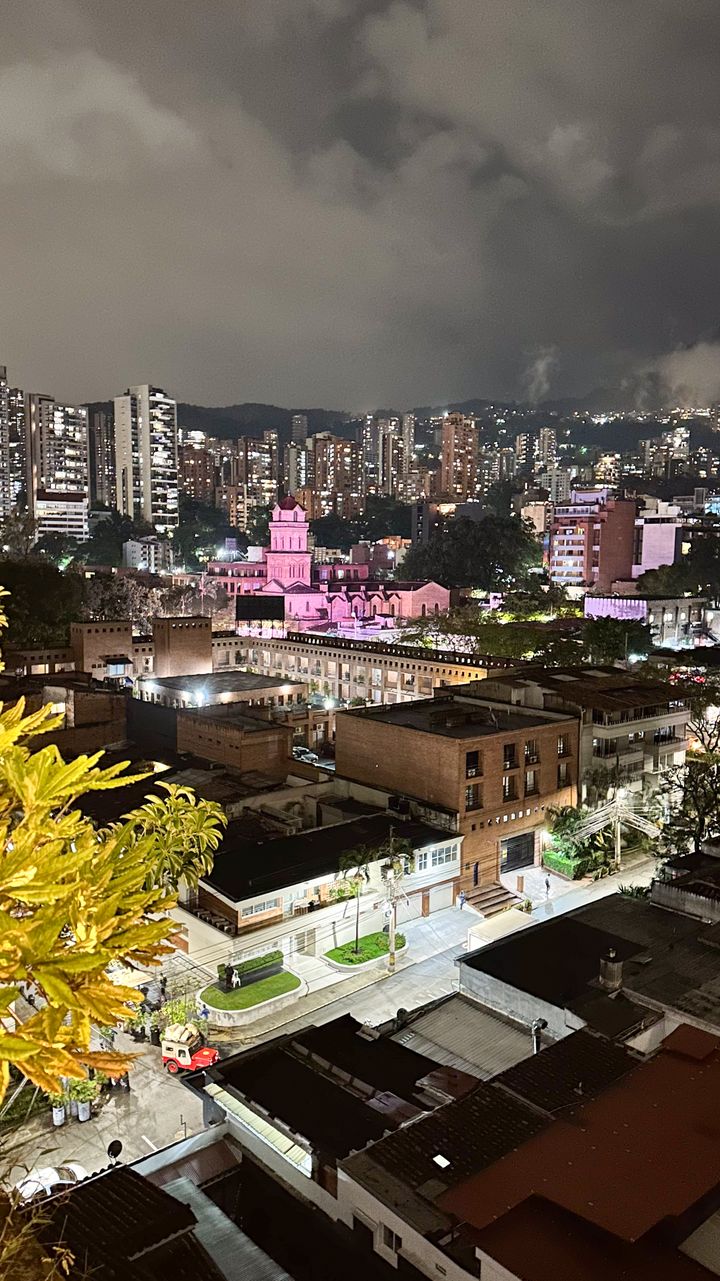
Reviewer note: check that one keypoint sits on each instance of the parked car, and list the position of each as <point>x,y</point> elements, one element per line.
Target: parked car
<point>304,754</point>
<point>183,1049</point>
<point>49,1180</point>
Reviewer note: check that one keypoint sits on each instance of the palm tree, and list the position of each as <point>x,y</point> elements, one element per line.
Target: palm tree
<point>354,868</point>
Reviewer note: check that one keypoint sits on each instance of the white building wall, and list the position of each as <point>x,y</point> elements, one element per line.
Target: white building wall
<point>356,1201</point>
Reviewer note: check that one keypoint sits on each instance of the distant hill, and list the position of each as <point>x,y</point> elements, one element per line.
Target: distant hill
<point>478,407</point>
<point>231,421</point>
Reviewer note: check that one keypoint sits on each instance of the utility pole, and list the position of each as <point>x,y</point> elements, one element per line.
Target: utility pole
<point>392,920</point>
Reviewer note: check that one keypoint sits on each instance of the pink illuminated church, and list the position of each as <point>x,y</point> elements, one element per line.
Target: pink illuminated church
<point>345,599</point>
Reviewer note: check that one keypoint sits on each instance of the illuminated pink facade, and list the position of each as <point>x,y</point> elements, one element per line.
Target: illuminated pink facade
<point>338,596</point>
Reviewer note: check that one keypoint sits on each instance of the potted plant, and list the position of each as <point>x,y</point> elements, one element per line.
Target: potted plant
<point>86,1093</point>
<point>57,1102</point>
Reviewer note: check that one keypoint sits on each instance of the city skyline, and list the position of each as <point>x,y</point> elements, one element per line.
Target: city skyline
<point>358,204</point>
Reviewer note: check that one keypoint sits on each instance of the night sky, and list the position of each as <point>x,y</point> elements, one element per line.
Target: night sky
<point>358,203</point>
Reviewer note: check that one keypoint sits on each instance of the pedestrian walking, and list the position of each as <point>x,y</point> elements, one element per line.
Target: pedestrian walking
<point>547,887</point>
<point>461,899</point>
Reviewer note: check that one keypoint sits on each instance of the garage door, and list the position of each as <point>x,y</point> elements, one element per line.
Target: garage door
<point>441,896</point>
<point>409,909</point>
<point>517,851</point>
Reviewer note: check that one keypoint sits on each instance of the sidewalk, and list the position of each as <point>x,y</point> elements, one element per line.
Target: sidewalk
<point>426,938</point>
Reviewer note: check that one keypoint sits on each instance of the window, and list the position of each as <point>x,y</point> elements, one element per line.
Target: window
<point>509,787</point>
<point>531,782</point>
<point>509,756</point>
<point>563,774</point>
<point>473,764</point>
<point>390,1239</point>
<point>473,797</point>
<point>531,752</point>
<point>563,745</point>
<point>267,905</point>
<point>445,854</point>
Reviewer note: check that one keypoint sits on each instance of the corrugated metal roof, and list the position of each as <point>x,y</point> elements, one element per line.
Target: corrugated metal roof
<point>462,1034</point>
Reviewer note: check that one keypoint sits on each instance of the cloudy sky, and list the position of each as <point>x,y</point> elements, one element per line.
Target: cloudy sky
<point>355,203</point>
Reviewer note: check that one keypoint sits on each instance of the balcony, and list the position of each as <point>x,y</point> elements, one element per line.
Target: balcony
<point>532,758</point>
<point>510,762</point>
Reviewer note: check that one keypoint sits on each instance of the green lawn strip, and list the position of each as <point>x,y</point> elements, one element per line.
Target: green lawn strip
<point>242,998</point>
<point>370,945</point>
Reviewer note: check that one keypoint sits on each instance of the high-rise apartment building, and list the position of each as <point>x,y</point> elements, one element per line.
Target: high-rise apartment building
<point>298,467</point>
<point>18,447</point>
<point>260,468</point>
<point>197,472</point>
<point>547,447</point>
<point>459,457</point>
<point>371,433</point>
<point>6,499</point>
<point>338,476</point>
<point>299,429</point>
<point>146,456</point>
<point>392,458</point>
<point>408,440</point>
<point>525,451</point>
<point>57,466</point>
<point>592,540</point>
<point>101,452</point>
<point>557,481</point>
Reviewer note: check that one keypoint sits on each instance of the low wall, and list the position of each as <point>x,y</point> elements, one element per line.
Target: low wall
<point>241,1018</point>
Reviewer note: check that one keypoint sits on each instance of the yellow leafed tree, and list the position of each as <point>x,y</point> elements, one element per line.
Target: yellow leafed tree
<point>73,899</point>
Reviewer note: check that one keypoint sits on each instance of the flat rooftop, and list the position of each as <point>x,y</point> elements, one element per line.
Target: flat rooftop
<point>457,717</point>
<point>332,1087</point>
<point>606,688</point>
<point>214,684</point>
<point>245,867</point>
<point>669,960</point>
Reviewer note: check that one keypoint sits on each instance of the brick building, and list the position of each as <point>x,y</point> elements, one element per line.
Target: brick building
<point>494,770</point>
<point>592,540</point>
<point>182,646</point>
<point>346,669</point>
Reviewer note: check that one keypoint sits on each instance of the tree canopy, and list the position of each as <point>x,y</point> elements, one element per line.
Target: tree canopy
<point>697,574</point>
<point>201,532</point>
<point>383,518</point>
<point>74,899</point>
<point>609,640</point>
<point>492,554</point>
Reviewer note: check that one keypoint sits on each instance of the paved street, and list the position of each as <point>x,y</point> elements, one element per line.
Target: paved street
<point>157,1108</point>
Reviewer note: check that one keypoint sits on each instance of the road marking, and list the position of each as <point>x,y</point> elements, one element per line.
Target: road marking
<point>152,1146</point>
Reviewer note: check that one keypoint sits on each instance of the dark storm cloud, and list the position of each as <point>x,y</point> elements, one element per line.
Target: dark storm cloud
<point>356,202</point>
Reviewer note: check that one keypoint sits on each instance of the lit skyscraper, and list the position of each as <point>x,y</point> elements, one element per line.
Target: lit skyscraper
<point>459,458</point>
<point>57,466</point>
<point>101,442</point>
<point>18,447</point>
<point>299,429</point>
<point>146,456</point>
<point>6,496</point>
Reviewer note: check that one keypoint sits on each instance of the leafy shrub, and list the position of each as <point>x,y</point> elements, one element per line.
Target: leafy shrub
<point>573,868</point>
<point>257,962</point>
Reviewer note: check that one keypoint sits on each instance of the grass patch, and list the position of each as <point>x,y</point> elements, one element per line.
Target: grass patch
<point>242,998</point>
<point>370,945</point>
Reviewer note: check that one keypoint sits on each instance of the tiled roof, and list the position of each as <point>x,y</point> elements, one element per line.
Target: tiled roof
<point>468,1135</point>
<point>575,1068</point>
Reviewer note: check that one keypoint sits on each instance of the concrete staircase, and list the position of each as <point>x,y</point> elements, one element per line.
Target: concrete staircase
<point>491,899</point>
